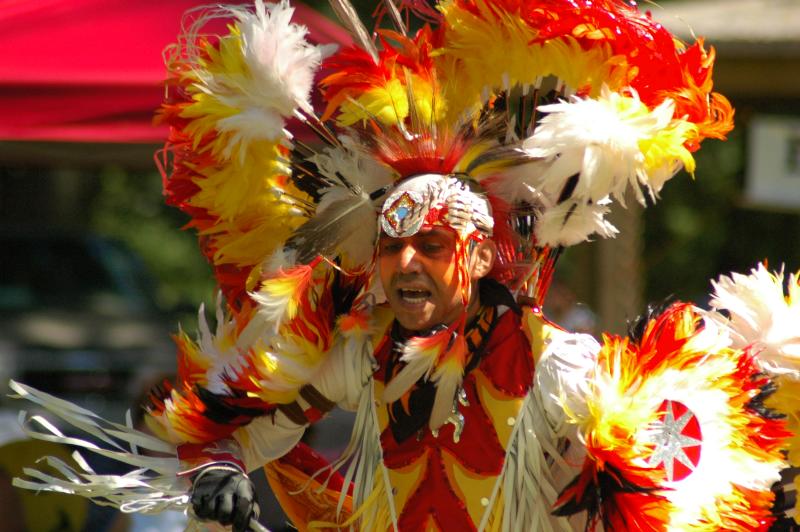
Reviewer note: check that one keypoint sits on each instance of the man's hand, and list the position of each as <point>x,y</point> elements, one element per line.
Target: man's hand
<point>225,494</point>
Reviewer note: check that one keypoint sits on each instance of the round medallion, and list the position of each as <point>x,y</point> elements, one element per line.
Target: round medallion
<point>677,440</point>
<point>402,214</point>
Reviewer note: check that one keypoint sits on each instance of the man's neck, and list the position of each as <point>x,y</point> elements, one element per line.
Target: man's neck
<point>472,311</point>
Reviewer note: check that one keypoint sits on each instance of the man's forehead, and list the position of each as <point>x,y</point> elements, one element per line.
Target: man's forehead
<point>425,231</point>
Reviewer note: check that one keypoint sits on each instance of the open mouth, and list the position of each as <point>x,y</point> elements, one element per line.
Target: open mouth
<point>413,295</point>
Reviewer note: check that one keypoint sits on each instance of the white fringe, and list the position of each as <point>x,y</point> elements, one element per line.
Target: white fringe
<point>528,483</point>
<point>364,457</point>
<point>153,486</point>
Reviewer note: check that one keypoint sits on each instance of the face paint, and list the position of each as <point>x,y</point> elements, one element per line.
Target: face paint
<point>420,277</point>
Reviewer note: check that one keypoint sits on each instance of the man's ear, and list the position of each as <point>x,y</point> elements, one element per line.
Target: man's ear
<point>483,256</point>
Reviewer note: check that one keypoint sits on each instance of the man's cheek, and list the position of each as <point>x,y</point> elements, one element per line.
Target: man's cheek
<point>442,272</point>
<point>384,274</point>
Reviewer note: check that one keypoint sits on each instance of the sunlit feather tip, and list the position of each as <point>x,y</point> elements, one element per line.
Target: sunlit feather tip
<point>762,314</point>
<point>420,355</point>
<point>280,294</point>
<point>601,140</point>
<point>256,77</point>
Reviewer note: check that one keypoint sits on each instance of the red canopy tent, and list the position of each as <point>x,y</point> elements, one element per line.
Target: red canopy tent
<point>92,70</point>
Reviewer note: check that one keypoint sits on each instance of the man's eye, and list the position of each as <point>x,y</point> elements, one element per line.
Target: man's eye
<point>432,247</point>
<point>391,247</point>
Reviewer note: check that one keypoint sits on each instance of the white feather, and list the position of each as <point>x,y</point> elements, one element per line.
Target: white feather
<point>360,169</point>
<point>345,225</point>
<point>365,175</point>
<point>570,223</point>
<point>251,124</point>
<point>271,313</point>
<point>414,370</point>
<point>564,372</point>
<point>447,384</point>
<point>282,63</point>
<point>224,356</point>
<point>419,363</point>
<point>593,138</point>
<point>272,309</point>
<point>294,366</point>
<point>762,315</point>
<point>518,183</point>
<point>280,259</point>
<point>277,79</point>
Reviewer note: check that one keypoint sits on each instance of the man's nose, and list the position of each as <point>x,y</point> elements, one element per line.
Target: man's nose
<point>409,261</point>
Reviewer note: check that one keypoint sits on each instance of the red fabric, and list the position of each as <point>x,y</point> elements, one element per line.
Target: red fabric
<point>305,459</point>
<point>195,456</point>
<point>508,362</point>
<point>92,70</point>
<point>479,450</point>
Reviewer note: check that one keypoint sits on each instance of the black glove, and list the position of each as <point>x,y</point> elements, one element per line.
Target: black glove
<point>225,494</point>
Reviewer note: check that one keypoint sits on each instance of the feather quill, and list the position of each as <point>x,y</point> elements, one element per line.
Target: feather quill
<point>342,218</point>
<point>345,222</point>
<point>347,14</point>
<point>352,162</point>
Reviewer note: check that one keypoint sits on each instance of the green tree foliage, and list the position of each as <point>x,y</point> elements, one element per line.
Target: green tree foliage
<point>701,228</point>
<point>128,206</point>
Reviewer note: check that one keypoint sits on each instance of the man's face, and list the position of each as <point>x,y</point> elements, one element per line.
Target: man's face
<point>420,279</point>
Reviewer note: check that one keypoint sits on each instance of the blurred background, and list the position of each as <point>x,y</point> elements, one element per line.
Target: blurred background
<point>95,273</point>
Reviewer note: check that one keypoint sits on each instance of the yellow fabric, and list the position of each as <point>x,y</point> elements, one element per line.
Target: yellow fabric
<point>406,480</point>
<point>43,511</point>
<point>500,407</point>
<point>304,500</point>
<point>471,488</point>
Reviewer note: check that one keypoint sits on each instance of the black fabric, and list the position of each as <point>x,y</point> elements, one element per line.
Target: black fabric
<point>420,401</point>
<point>223,410</point>
<point>494,294</point>
<point>226,496</point>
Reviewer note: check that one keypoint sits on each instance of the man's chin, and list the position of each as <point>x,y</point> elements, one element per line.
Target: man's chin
<point>414,324</point>
<point>415,328</point>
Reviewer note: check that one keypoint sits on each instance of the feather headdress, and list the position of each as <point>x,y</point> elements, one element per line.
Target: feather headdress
<point>557,108</point>
<point>519,121</point>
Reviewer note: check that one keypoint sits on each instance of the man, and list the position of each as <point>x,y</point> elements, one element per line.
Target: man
<point>398,272</point>
<point>427,462</point>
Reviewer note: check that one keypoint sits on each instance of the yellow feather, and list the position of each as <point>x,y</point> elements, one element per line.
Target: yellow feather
<point>492,51</point>
<point>388,104</point>
<point>279,381</point>
<point>235,190</point>
<point>430,104</point>
<point>667,147</point>
<point>786,400</point>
